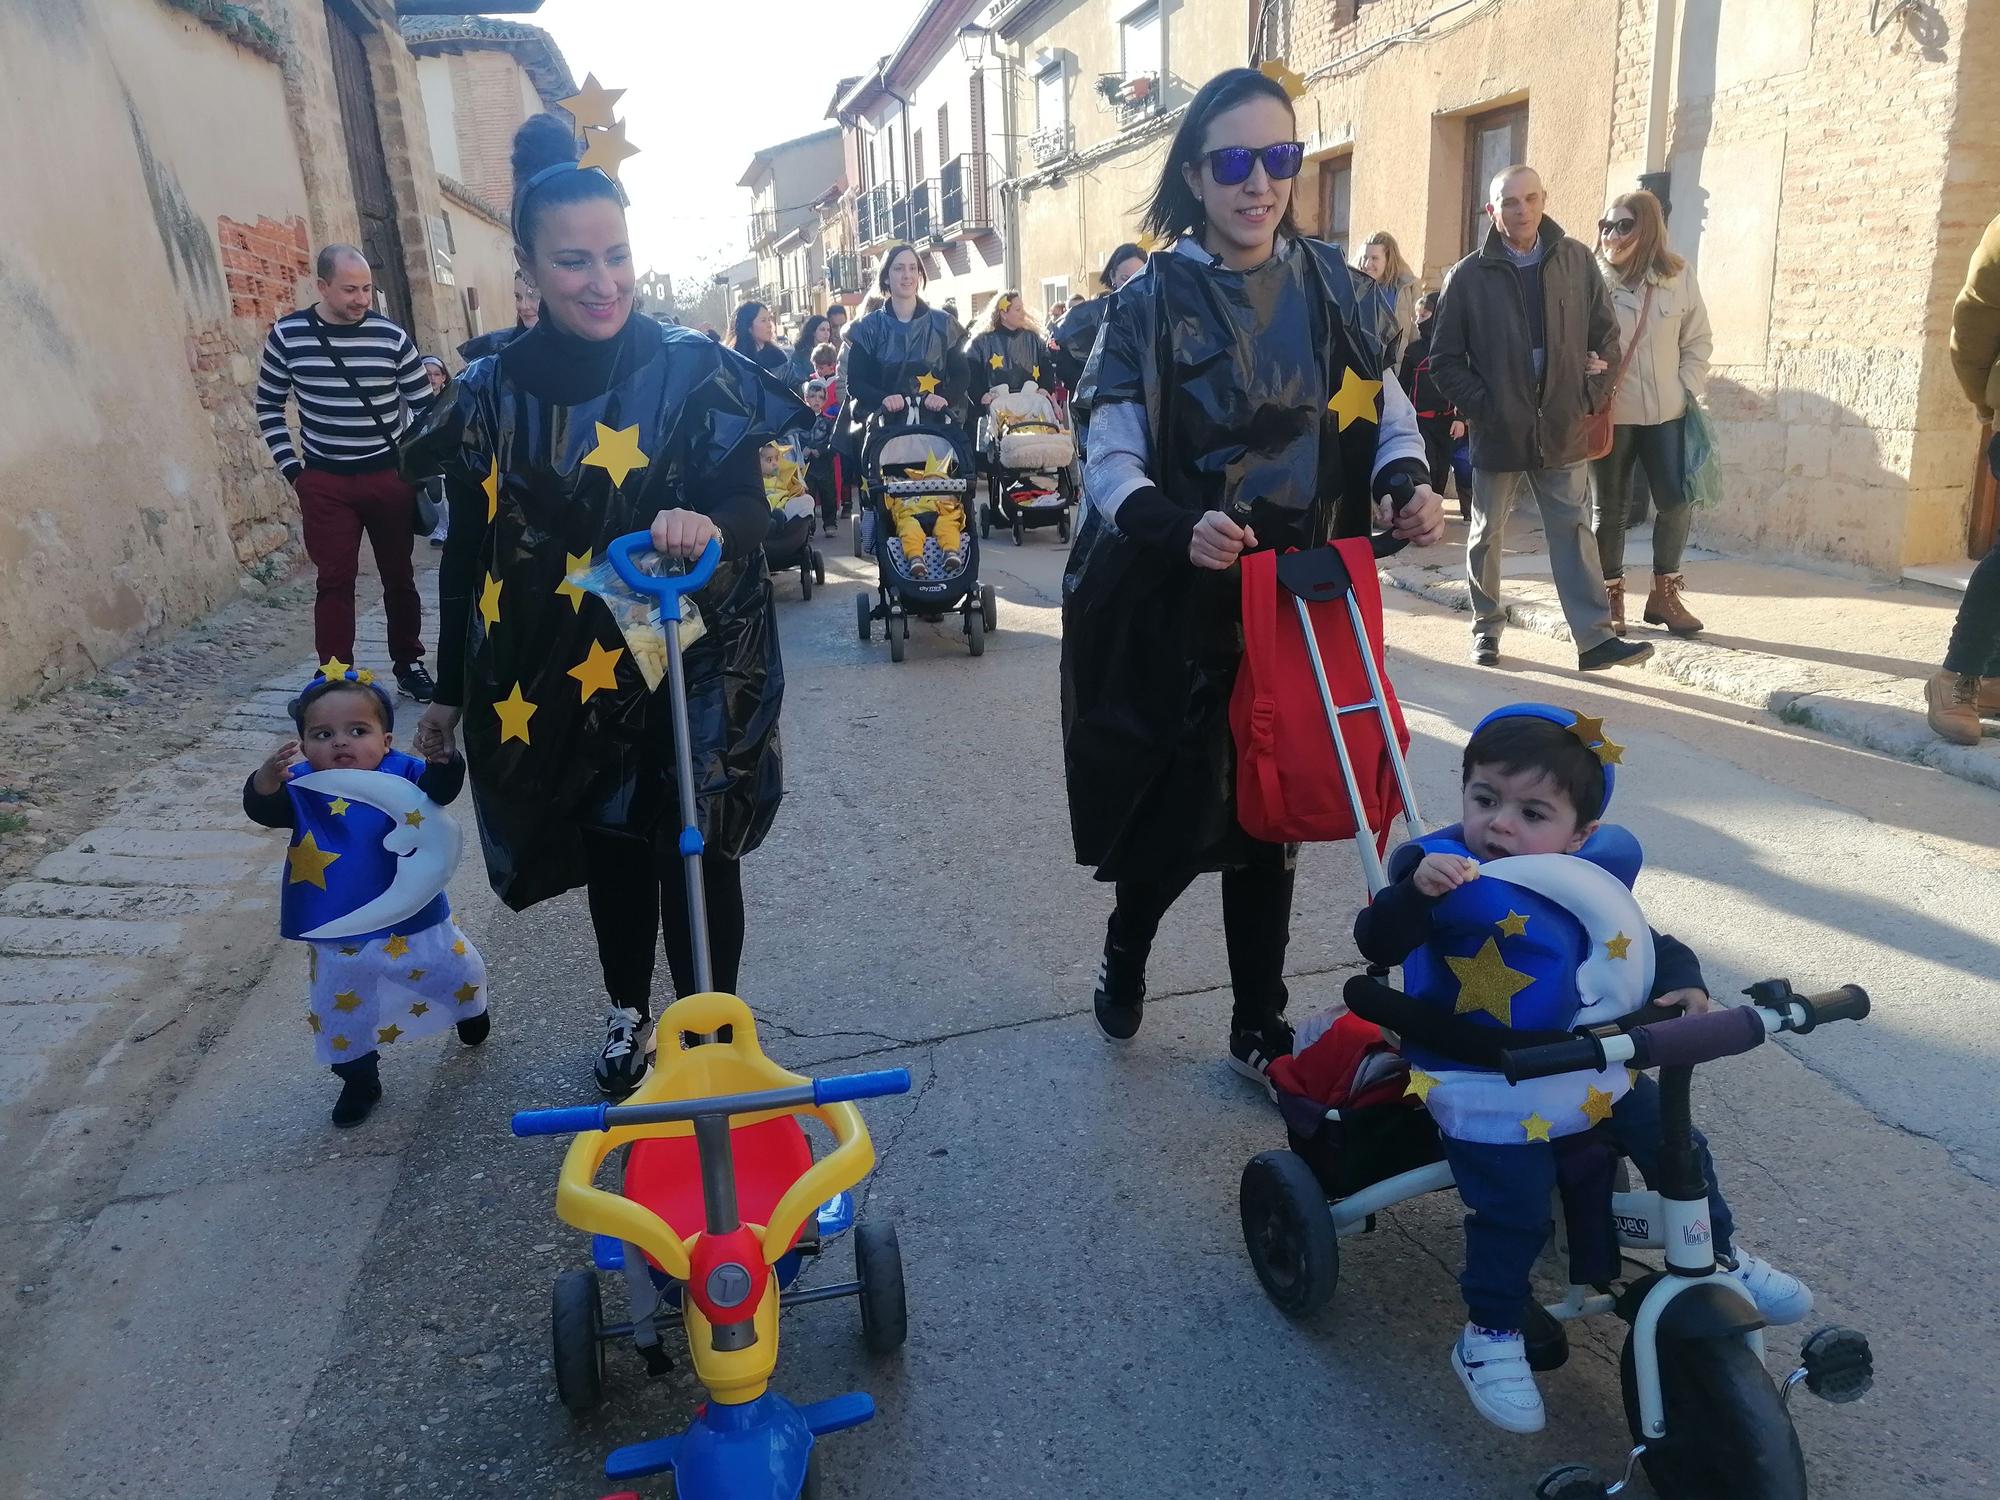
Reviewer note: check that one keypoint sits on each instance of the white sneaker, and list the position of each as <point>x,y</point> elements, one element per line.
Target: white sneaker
<point>1782,1298</point>
<point>1493,1368</point>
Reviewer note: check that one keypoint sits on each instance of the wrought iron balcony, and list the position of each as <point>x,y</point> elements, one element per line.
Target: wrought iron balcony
<point>962,197</point>
<point>843,272</point>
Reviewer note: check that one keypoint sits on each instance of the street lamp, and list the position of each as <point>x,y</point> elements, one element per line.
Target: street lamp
<point>972,43</point>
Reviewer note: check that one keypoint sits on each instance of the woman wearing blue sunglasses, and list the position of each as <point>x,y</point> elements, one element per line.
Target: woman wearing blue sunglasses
<point>1238,398</point>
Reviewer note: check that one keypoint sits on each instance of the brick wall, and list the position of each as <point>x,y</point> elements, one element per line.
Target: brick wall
<point>264,263</point>
<point>486,99</point>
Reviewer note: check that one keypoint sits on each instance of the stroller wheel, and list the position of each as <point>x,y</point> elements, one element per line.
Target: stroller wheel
<point>899,640</point>
<point>806,579</point>
<point>1289,1233</point>
<point>1020,532</point>
<point>819,566</point>
<point>863,617</point>
<point>975,632</point>
<point>989,608</point>
<point>1062,527</point>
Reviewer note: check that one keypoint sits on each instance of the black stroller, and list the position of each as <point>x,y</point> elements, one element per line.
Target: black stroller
<point>1029,457</point>
<point>789,543</point>
<point>907,459</point>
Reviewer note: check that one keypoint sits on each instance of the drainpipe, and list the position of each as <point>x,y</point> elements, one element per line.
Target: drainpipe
<point>1010,225</point>
<point>1656,178</point>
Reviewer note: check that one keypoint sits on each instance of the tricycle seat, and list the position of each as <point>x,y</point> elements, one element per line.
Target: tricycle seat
<point>664,1173</point>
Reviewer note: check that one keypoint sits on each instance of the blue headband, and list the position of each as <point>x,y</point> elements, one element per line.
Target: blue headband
<point>526,190</point>
<point>1589,731</point>
<point>336,673</point>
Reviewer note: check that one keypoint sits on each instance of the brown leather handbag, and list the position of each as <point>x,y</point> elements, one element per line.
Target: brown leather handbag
<point>1597,426</point>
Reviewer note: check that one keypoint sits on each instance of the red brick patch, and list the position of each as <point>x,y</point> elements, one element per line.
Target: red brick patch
<point>264,261</point>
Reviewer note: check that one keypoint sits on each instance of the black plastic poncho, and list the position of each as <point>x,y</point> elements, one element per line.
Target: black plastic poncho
<point>558,738</point>
<point>1076,335</point>
<point>1009,357</point>
<point>885,356</point>
<point>1262,394</point>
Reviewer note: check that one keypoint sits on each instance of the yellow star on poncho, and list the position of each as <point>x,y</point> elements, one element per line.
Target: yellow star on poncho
<point>1512,925</point>
<point>927,384</point>
<point>418,973</point>
<point>617,452</point>
<point>995,361</point>
<point>418,1007</point>
<point>599,670</point>
<point>936,466</point>
<point>397,945</point>
<point>1421,1084</point>
<point>1596,1105</point>
<point>514,712</point>
<point>465,994</point>
<point>606,148</point>
<point>458,948</point>
<point>1537,1127</point>
<point>388,1033</point>
<point>574,562</point>
<point>1618,946</point>
<point>489,601</point>
<point>414,818</point>
<point>308,862</point>
<point>312,1020</point>
<point>333,667</point>
<point>338,807</point>
<point>339,1044</point>
<point>1486,983</point>
<point>1355,400</point>
<point>591,107</point>
<point>491,484</point>
<point>346,1001</point>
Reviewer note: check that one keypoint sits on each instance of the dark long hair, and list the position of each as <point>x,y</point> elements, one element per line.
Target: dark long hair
<point>1175,209</point>
<point>882,276</point>
<point>741,339</point>
<point>1117,258</point>
<point>543,141</point>
<point>808,340</point>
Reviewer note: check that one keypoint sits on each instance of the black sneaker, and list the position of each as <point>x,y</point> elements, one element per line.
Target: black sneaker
<point>1486,650</point>
<point>416,682</point>
<point>474,1029</point>
<point>1120,1000</point>
<point>1613,653</point>
<point>628,1051</point>
<point>1252,1050</point>
<point>360,1091</point>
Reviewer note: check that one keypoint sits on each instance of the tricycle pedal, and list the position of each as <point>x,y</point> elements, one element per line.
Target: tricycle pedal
<point>1838,1365</point>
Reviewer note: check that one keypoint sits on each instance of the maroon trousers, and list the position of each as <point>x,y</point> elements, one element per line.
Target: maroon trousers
<point>337,508</point>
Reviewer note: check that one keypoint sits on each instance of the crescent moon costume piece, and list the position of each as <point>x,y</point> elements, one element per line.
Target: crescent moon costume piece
<point>367,845</point>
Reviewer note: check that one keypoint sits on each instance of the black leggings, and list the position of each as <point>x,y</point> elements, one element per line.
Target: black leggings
<point>633,883</point>
<point>1256,927</point>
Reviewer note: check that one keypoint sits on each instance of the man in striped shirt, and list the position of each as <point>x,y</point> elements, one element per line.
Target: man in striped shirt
<point>359,383</point>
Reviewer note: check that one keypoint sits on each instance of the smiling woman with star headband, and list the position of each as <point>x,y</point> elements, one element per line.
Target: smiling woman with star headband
<point>1008,353</point>
<point>1237,400</point>
<point>593,424</point>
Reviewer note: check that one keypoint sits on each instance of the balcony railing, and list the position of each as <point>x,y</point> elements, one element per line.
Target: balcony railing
<point>843,272</point>
<point>1052,144</point>
<point>962,201</point>
<point>922,220</point>
<point>899,219</point>
<point>879,224</point>
<point>763,226</point>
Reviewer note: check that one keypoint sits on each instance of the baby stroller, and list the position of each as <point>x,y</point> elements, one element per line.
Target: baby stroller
<point>1030,462</point>
<point>794,525</point>
<point>911,459</point>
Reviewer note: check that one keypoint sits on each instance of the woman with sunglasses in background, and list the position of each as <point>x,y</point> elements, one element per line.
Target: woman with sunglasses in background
<point>1237,400</point>
<point>1663,327</point>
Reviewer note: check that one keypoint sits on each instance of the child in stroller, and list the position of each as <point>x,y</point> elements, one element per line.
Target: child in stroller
<point>794,512</point>
<point>1030,458</point>
<point>903,463</point>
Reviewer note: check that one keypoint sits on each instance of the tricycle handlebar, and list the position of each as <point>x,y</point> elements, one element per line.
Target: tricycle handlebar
<point>574,1119</point>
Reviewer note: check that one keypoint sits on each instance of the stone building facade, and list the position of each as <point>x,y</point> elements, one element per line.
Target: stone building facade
<point>1827,180</point>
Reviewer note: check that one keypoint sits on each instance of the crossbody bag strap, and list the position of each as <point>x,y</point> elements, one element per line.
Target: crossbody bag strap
<point>355,386</point>
<point>1638,336</point>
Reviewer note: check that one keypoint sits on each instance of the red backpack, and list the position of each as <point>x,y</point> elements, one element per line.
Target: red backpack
<point>1288,782</point>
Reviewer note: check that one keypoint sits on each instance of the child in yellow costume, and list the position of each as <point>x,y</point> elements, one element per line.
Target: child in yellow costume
<point>784,483</point>
<point>905,510</point>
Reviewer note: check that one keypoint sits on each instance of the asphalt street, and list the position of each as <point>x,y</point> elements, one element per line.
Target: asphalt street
<point>368,1316</point>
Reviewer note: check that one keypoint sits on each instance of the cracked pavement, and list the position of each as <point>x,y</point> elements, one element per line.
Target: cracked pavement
<point>262,1307</point>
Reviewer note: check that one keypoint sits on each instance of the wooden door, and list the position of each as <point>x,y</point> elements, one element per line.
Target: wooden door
<point>367,163</point>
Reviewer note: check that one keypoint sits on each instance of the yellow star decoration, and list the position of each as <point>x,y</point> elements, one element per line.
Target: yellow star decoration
<point>791,477</point>
<point>491,484</point>
<point>1618,946</point>
<point>465,994</point>
<point>1486,983</point>
<point>1036,372</point>
<point>1512,925</point>
<point>1596,1105</point>
<point>591,108</point>
<point>312,1020</point>
<point>397,945</point>
<point>1587,729</point>
<point>1537,1127</point>
<point>418,973</point>
<point>1421,1084</point>
<point>1610,754</point>
<point>413,818</point>
<point>514,712</point>
<point>606,148</point>
<point>458,948</point>
<point>388,1033</point>
<point>489,601</point>
<point>599,670</point>
<point>308,862</point>
<point>338,807</point>
<point>1632,1077</point>
<point>927,384</point>
<point>995,361</point>
<point>1280,73</point>
<point>364,677</point>
<point>346,1001</point>
<point>339,1044</point>
<point>936,466</point>
<point>574,562</point>
<point>334,667</point>
<point>1355,400</point>
<point>617,452</point>
<point>417,1008</point>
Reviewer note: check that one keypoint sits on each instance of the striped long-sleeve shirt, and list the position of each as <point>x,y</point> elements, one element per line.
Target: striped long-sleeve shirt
<point>337,432</point>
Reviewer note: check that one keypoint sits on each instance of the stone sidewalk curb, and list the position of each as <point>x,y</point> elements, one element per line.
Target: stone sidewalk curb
<point>1888,718</point>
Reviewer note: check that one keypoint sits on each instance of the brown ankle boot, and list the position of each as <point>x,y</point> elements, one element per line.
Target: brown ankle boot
<point>1615,588</point>
<point>1664,607</point>
<point>1950,707</point>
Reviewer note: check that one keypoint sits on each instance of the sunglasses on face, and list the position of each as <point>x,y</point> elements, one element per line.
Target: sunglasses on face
<point>1619,227</point>
<point>1233,164</point>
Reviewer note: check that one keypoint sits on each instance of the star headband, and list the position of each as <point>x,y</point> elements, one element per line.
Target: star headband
<point>1590,732</point>
<point>332,673</point>
<point>527,190</point>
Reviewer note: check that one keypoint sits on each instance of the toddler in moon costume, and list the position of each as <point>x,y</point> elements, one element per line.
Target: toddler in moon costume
<point>363,882</point>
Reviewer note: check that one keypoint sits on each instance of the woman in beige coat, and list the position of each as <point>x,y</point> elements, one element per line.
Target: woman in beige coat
<point>1668,369</point>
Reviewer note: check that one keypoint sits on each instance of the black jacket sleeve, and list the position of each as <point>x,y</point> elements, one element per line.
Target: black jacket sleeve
<point>1451,355</point>
<point>733,498</point>
<point>1150,518</point>
<point>443,779</point>
<point>1395,924</point>
<point>1674,967</point>
<point>457,581</point>
<point>274,811</point>
<point>978,373</point>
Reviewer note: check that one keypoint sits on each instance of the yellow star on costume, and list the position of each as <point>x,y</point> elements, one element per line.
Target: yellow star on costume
<point>364,677</point>
<point>458,948</point>
<point>414,818</point>
<point>388,1033</point>
<point>995,361</point>
<point>1512,925</point>
<point>339,1044</point>
<point>1596,1105</point>
<point>591,108</point>
<point>418,973</point>
<point>418,1008</point>
<point>617,452</point>
<point>1537,1128</point>
<point>789,477</point>
<point>597,670</point>
<point>1618,946</point>
<point>334,667</point>
<point>927,384</point>
<point>491,484</point>
<point>1421,1084</point>
<point>465,994</point>
<point>606,148</point>
<point>338,807</point>
<point>1610,754</point>
<point>574,562</point>
<point>1036,372</point>
<point>397,945</point>
<point>489,601</point>
<point>1587,729</point>
<point>308,862</point>
<point>936,466</point>
<point>346,1001</point>
<point>1280,73</point>
<point>514,712</point>
<point>312,1020</point>
<point>1486,983</point>
<point>1355,400</point>
<point>1632,1077</point>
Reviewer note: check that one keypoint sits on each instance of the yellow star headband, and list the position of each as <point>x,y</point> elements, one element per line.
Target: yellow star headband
<point>1591,733</point>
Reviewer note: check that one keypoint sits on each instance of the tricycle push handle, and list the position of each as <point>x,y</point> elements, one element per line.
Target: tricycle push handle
<point>569,1121</point>
<point>861,1086</point>
<point>665,587</point>
<point>581,1117</point>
